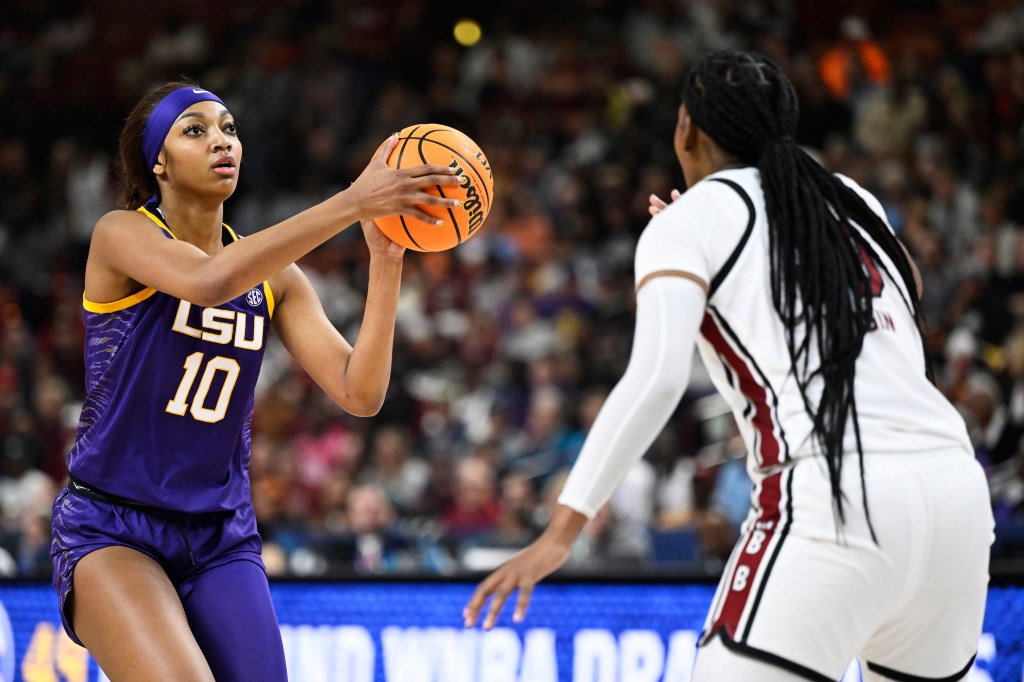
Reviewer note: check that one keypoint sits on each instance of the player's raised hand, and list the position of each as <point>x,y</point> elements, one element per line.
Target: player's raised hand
<point>522,572</point>
<point>382,191</point>
<point>658,205</point>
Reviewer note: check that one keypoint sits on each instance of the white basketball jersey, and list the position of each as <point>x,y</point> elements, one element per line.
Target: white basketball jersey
<point>718,231</point>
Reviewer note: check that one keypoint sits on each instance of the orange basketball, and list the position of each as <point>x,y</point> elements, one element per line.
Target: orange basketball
<point>438,144</point>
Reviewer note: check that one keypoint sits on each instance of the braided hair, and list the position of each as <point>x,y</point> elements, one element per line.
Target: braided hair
<point>821,282</point>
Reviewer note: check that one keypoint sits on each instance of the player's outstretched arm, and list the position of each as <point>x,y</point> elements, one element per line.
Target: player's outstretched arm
<point>125,244</point>
<point>354,376</point>
<point>669,313</point>
<point>522,572</point>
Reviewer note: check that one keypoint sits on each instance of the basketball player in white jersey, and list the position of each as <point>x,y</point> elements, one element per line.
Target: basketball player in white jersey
<point>870,530</point>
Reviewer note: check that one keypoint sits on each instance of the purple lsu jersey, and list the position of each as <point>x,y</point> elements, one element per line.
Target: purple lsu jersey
<point>170,385</point>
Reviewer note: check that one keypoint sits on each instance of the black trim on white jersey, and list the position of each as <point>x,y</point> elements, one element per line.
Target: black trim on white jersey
<point>907,677</point>
<point>734,256</point>
<point>775,555</point>
<point>767,657</point>
<point>730,376</point>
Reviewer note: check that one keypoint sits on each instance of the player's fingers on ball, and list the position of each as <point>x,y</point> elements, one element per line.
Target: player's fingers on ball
<point>434,200</point>
<point>433,180</point>
<point>656,201</point>
<point>675,194</point>
<point>432,169</point>
<point>522,601</point>
<point>446,180</point>
<point>385,149</point>
<point>439,179</point>
<point>423,215</point>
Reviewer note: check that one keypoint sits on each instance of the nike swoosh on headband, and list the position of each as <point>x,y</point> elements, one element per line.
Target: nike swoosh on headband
<point>165,113</point>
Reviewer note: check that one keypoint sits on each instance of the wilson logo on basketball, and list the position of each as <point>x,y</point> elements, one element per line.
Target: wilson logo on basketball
<point>254,297</point>
<point>436,144</point>
<point>472,206</point>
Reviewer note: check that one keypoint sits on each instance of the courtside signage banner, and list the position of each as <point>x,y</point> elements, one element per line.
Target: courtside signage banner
<point>412,632</point>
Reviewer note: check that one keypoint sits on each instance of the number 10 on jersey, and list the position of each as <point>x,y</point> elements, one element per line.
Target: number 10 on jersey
<point>193,363</point>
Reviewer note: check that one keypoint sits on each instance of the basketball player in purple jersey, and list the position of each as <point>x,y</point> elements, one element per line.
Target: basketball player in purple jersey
<point>155,552</point>
<point>870,530</point>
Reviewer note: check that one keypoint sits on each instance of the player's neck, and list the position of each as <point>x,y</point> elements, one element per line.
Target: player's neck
<point>195,222</point>
<point>710,159</point>
<point>719,160</point>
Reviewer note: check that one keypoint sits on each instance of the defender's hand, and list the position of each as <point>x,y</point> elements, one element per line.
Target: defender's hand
<point>522,572</point>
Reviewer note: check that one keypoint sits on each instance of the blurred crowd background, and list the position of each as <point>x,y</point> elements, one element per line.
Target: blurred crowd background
<point>508,344</point>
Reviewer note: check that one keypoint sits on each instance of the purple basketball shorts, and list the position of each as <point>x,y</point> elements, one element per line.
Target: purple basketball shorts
<point>213,561</point>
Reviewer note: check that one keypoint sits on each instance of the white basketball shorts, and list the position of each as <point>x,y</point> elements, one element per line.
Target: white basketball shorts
<point>807,598</point>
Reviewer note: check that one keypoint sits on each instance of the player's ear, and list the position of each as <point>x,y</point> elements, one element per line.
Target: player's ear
<point>161,159</point>
<point>690,131</point>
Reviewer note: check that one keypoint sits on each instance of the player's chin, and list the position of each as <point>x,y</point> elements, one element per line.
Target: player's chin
<point>224,187</point>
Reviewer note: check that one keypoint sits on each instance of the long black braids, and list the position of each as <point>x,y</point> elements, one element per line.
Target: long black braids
<point>820,281</point>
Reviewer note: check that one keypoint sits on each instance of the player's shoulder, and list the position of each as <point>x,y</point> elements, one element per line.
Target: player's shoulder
<point>121,219</point>
<point>123,226</point>
<point>719,189</point>
<point>715,204</point>
<point>870,199</point>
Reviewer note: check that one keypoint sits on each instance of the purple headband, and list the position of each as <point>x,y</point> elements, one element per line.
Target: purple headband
<point>165,114</point>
